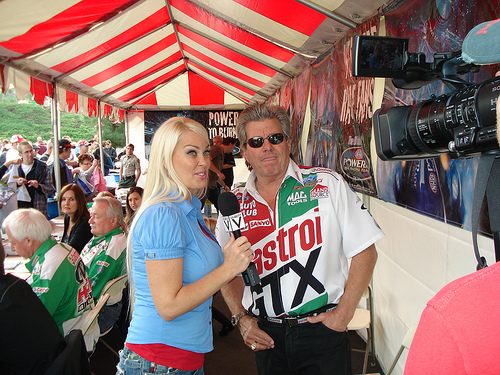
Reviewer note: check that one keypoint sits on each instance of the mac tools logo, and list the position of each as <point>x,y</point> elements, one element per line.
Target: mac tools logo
<point>296,198</point>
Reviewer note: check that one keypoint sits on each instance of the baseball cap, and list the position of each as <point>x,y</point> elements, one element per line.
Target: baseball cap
<point>481,45</point>
<point>64,143</point>
<point>82,143</point>
<point>17,138</point>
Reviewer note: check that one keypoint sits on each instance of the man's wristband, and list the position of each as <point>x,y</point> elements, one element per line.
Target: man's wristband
<point>236,318</point>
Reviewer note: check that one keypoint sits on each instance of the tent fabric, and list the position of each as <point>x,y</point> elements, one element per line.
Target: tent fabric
<point>125,54</point>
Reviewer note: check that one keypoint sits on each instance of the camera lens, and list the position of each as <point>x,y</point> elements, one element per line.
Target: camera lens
<point>462,122</point>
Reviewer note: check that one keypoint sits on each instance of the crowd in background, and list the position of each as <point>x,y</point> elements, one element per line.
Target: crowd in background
<point>44,149</point>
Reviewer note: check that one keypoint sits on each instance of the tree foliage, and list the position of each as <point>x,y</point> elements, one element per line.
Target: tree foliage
<point>32,120</point>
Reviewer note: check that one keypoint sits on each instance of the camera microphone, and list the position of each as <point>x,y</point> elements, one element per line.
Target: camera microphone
<point>480,46</point>
<point>233,222</point>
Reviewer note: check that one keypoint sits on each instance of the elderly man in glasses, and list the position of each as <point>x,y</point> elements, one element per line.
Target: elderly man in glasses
<point>304,224</point>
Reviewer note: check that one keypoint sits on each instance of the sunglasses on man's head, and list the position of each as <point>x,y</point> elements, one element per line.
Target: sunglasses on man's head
<point>257,142</point>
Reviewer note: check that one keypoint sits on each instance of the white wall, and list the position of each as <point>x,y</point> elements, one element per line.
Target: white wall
<point>417,257</point>
<point>135,135</point>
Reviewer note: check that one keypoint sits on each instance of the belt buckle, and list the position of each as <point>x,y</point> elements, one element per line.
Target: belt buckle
<point>291,321</point>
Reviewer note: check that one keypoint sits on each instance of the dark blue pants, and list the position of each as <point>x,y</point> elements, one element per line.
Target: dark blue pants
<point>213,196</point>
<point>306,349</point>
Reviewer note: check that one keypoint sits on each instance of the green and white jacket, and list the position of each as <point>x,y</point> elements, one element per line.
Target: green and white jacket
<point>59,278</point>
<point>104,258</point>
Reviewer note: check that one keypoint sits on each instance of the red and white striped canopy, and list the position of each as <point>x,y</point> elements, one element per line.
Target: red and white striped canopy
<point>166,54</point>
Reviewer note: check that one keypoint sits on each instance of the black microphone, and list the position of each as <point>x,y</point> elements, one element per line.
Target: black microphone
<point>233,222</point>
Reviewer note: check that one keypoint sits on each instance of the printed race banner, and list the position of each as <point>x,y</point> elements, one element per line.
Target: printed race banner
<point>293,97</point>
<point>221,123</point>
<point>441,187</point>
<point>341,107</point>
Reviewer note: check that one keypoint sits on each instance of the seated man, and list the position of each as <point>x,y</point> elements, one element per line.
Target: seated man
<point>30,340</point>
<point>104,255</point>
<point>58,275</point>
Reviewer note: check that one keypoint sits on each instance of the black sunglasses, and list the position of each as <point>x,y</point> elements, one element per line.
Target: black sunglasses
<point>257,142</point>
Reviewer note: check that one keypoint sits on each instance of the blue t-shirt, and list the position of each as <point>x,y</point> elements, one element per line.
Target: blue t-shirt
<point>172,230</point>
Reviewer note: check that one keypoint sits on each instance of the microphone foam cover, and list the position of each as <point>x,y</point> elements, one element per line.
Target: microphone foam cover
<point>481,46</point>
<point>228,204</point>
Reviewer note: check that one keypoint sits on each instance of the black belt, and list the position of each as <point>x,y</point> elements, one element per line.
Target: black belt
<point>295,320</point>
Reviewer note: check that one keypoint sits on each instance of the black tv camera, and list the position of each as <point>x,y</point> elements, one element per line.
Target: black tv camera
<point>461,123</point>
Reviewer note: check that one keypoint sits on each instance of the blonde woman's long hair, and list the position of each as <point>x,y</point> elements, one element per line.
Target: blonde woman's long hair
<point>162,182</point>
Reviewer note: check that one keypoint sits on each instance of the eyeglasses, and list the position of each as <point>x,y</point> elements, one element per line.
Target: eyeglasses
<point>257,142</point>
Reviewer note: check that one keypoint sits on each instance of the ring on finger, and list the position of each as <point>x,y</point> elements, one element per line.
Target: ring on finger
<point>253,346</point>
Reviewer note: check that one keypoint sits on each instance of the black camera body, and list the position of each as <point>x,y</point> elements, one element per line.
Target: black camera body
<point>462,123</point>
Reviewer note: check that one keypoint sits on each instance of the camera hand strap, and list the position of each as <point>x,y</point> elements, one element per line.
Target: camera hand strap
<point>488,176</point>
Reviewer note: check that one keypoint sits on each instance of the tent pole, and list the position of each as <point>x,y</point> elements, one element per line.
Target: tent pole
<point>99,135</point>
<point>54,115</point>
<point>125,117</point>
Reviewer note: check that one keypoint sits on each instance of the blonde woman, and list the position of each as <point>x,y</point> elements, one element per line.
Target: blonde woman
<point>174,261</point>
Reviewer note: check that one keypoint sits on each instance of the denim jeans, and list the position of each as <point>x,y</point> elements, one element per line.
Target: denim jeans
<point>133,364</point>
<point>306,349</point>
<point>109,316</point>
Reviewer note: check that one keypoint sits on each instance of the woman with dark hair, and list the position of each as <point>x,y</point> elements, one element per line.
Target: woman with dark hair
<point>133,202</point>
<point>76,217</point>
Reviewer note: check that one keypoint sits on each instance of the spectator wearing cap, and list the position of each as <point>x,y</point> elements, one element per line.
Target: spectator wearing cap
<point>48,152</point>
<point>72,159</point>
<point>12,154</point>
<point>42,147</point>
<point>92,145</point>
<point>83,147</point>
<point>65,147</point>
